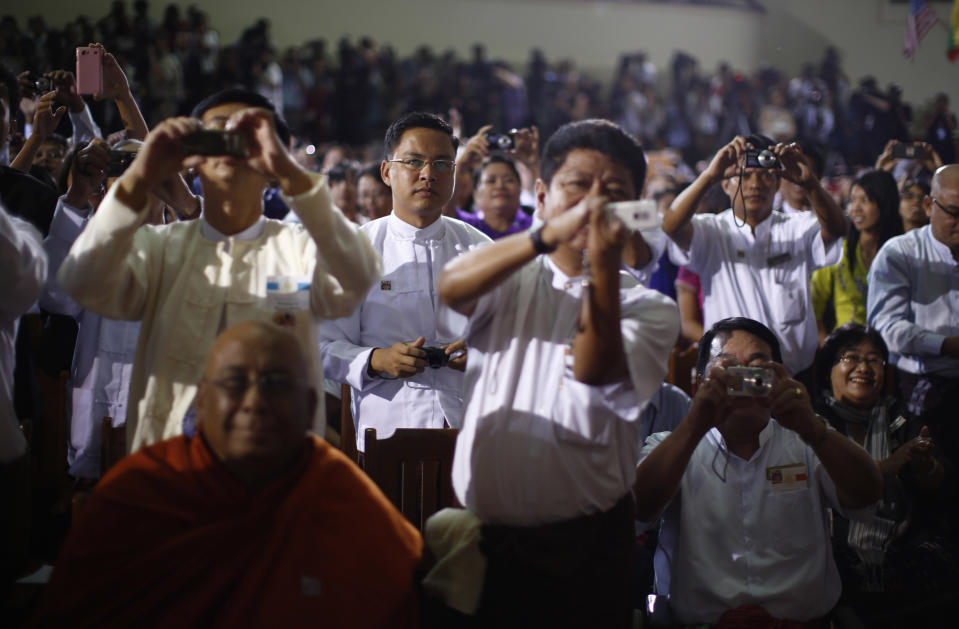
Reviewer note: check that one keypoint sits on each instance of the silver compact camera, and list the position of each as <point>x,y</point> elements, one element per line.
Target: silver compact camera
<point>750,381</point>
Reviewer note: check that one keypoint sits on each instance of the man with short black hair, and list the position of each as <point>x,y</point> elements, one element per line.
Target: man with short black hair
<point>190,280</point>
<point>743,484</point>
<point>566,349</point>
<point>750,259</point>
<point>378,350</point>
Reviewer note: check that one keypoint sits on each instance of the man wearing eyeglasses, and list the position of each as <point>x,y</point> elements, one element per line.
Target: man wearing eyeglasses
<point>742,486</point>
<point>913,302</point>
<point>753,261</point>
<point>249,523</point>
<point>379,349</point>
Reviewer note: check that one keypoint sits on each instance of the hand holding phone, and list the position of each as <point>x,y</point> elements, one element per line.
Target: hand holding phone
<point>89,70</point>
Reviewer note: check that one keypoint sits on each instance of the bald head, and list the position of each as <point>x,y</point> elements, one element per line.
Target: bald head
<point>254,403</point>
<point>263,335</point>
<point>942,207</point>
<point>946,177</point>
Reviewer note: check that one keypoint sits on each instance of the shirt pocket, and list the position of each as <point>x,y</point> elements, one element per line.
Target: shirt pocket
<point>789,302</point>
<point>792,520</point>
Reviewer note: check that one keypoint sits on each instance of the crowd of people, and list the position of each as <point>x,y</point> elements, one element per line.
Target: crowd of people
<point>218,240</point>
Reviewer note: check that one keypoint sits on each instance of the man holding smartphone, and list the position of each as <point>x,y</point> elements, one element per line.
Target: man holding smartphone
<point>752,260</point>
<point>189,281</point>
<point>742,486</point>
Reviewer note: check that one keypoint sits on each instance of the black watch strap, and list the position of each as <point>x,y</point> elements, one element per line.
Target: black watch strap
<point>536,235</point>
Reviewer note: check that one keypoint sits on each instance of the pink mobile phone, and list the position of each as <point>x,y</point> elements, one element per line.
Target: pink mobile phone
<point>89,70</point>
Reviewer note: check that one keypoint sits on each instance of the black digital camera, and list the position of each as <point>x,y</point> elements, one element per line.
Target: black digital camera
<point>214,142</point>
<point>501,142</point>
<point>762,159</point>
<point>119,162</point>
<point>436,357</point>
<point>43,85</point>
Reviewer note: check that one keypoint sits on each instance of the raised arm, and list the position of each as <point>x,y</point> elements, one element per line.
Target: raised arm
<point>856,475</point>
<point>677,220</point>
<point>45,120</point>
<point>798,168</point>
<point>473,274</point>
<point>661,470</point>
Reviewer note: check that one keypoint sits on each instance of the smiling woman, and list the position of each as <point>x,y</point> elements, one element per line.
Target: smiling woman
<point>894,551</point>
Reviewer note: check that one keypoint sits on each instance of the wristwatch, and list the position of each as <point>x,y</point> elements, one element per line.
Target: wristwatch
<point>536,235</point>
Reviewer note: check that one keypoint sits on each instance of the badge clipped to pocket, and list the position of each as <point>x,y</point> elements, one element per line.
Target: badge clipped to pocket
<point>787,478</point>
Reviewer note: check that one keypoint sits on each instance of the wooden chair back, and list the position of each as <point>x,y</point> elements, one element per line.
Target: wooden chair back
<point>414,469</point>
<point>682,368</point>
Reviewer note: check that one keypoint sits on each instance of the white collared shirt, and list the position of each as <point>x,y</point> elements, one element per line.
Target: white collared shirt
<point>744,541</point>
<point>401,307</point>
<point>537,445</point>
<point>103,357</point>
<point>914,301</point>
<point>762,275</point>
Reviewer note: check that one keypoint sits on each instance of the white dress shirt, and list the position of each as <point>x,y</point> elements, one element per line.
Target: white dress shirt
<point>913,301</point>
<point>537,445</point>
<point>103,358</point>
<point>762,275</point>
<point>187,286</point>
<point>745,540</point>
<point>404,305</point>
<point>23,269</point>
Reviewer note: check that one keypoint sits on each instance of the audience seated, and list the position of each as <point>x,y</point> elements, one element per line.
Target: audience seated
<point>899,558</point>
<point>188,281</point>
<point>378,349</point>
<point>839,292</point>
<point>249,523</point>
<point>743,484</point>
<point>562,360</point>
<point>751,259</point>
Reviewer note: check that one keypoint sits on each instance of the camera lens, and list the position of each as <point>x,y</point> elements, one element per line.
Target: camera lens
<point>766,158</point>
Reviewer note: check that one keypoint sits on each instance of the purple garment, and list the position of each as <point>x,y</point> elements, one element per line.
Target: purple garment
<point>521,222</point>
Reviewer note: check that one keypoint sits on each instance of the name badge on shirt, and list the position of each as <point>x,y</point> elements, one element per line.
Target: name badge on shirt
<point>786,478</point>
<point>285,293</point>
<point>782,257</point>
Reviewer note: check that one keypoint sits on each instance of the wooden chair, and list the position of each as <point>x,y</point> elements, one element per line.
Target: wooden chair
<point>414,469</point>
<point>682,368</point>
<point>347,430</point>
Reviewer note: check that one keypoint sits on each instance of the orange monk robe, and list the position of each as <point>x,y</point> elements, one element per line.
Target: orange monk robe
<point>170,538</point>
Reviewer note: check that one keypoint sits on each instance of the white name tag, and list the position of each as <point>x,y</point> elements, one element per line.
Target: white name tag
<point>786,478</point>
<point>285,293</point>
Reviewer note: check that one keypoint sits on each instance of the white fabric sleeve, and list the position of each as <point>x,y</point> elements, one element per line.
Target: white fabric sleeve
<point>23,267</point>
<point>346,264</point>
<point>84,127</point>
<point>68,223</point>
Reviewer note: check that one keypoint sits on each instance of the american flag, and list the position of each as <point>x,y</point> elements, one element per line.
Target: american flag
<point>921,18</point>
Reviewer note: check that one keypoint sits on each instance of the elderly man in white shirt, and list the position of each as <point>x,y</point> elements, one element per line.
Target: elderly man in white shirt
<point>189,281</point>
<point>913,302</point>
<point>379,349</point>
<point>745,481</point>
<point>565,350</point>
<point>753,261</point>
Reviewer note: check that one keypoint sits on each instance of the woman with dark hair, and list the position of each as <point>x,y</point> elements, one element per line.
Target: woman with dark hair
<point>899,550</point>
<point>839,292</point>
<point>911,209</point>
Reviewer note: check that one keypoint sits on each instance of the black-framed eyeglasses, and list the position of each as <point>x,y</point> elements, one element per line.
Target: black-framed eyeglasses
<point>416,164</point>
<point>852,360</point>
<point>272,384</point>
<point>951,210</point>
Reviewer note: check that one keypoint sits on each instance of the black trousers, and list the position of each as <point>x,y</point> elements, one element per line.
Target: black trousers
<point>574,573</point>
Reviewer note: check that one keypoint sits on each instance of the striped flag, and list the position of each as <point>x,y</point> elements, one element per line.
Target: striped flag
<point>953,51</point>
<point>921,18</point>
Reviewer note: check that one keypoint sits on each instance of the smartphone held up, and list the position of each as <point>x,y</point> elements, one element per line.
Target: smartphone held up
<point>89,70</point>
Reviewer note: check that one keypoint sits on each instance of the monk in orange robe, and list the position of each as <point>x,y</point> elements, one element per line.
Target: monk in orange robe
<point>251,523</point>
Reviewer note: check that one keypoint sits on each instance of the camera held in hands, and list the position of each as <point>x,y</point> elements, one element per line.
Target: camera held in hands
<point>214,142</point>
<point>902,150</point>
<point>436,357</point>
<point>43,85</point>
<point>501,142</point>
<point>762,159</point>
<point>750,381</point>
<point>119,162</point>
